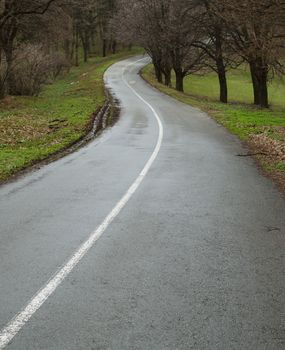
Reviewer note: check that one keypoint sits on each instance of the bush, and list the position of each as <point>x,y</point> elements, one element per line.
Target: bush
<point>33,68</point>
<point>59,64</point>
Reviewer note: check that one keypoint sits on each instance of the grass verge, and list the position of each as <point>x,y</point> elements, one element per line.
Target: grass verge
<point>263,130</point>
<point>33,128</point>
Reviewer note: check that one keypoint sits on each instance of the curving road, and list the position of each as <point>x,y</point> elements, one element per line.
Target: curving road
<point>155,236</point>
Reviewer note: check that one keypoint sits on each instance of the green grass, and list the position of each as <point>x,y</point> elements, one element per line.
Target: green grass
<point>239,85</point>
<point>32,128</point>
<point>239,116</point>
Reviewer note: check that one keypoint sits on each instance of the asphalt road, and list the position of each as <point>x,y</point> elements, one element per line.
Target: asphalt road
<point>191,258</point>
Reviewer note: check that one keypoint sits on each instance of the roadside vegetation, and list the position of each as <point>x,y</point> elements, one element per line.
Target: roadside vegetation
<point>32,128</point>
<point>53,54</point>
<point>227,56</point>
<point>262,129</point>
<point>190,36</point>
<point>223,56</point>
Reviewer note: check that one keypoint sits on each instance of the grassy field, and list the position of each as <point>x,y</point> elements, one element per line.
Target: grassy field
<point>264,130</point>
<point>239,85</point>
<point>32,128</point>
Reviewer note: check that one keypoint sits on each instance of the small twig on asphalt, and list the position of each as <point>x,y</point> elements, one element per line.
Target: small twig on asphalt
<point>252,154</point>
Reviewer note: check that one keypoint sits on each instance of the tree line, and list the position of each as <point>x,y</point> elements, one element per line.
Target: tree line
<point>188,36</point>
<point>39,39</point>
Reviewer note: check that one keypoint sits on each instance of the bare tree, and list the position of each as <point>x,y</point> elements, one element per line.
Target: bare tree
<point>163,28</point>
<point>106,9</point>
<point>257,36</point>
<point>84,15</point>
<point>213,41</point>
<point>12,13</point>
<point>182,34</point>
<point>143,24</point>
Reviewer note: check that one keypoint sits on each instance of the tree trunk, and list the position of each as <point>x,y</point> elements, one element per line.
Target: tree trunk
<point>167,77</point>
<point>8,36</point>
<point>254,83</point>
<point>220,64</point>
<point>2,90</point>
<point>104,47</point>
<point>263,88</point>
<point>67,48</point>
<point>92,42</point>
<point>73,45</point>
<point>86,46</point>
<point>259,75</point>
<point>2,80</point>
<point>158,72</point>
<point>223,88</point>
<point>9,70</point>
<point>222,81</point>
<point>179,80</point>
<point>114,47</point>
<point>77,48</point>
<point>85,50</point>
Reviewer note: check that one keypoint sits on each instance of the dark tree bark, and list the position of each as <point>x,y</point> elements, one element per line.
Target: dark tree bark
<point>66,47</point>
<point>8,35</point>
<point>221,69</point>
<point>167,77</point>
<point>156,59</point>
<point>77,47</point>
<point>92,42</point>
<point>179,79</point>
<point>263,88</point>
<point>12,10</point>
<point>2,80</point>
<point>104,47</point>
<point>259,76</point>
<point>85,53</point>
<point>254,83</point>
<point>114,47</point>
<point>158,72</point>
<point>10,75</point>
<point>85,44</point>
<point>222,80</point>
<point>73,44</point>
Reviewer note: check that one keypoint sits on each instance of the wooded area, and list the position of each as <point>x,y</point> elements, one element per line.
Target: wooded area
<point>203,35</point>
<point>41,38</point>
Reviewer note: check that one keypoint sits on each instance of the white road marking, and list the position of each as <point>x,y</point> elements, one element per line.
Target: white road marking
<point>18,322</point>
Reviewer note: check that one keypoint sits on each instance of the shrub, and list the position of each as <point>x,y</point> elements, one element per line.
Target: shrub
<point>33,68</point>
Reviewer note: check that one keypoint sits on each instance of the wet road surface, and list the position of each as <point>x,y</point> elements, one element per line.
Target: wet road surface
<point>193,260</point>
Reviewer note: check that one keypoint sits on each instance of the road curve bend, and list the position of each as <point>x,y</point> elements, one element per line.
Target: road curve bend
<point>154,236</point>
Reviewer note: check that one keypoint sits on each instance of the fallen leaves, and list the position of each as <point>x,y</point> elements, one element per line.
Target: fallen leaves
<point>271,148</point>
<point>15,130</point>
